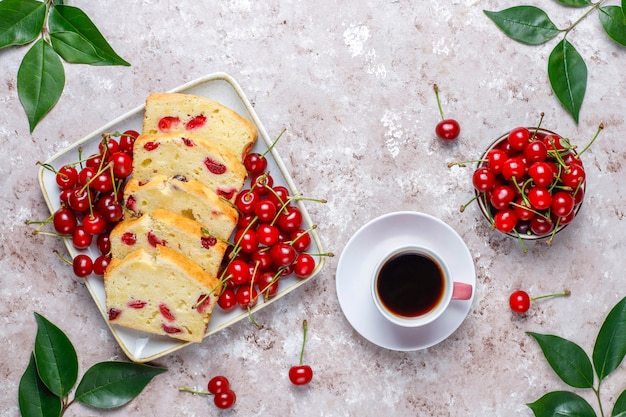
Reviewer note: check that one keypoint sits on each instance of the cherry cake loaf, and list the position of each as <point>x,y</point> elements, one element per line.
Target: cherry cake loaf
<point>190,199</point>
<point>178,304</point>
<point>162,227</point>
<point>188,157</point>
<point>185,113</point>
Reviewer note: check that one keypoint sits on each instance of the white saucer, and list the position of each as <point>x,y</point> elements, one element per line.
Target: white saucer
<point>373,241</point>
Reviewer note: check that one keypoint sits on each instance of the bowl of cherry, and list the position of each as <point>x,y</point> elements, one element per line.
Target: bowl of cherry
<point>530,183</point>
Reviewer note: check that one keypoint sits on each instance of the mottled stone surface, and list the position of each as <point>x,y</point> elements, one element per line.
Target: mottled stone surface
<point>351,82</point>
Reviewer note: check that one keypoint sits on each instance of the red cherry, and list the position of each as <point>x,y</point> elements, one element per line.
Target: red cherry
<point>81,239</point>
<point>127,141</point>
<point>501,196</point>
<point>519,301</point>
<point>304,266</point>
<point>541,226</point>
<point>247,240</point>
<point>218,384</point>
<point>495,160</point>
<point>540,198</point>
<point>265,210</point>
<point>225,399</point>
<point>100,265</point>
<point>541,173</point>
<point>245,296</point>
<point>66,177</point>
<point>300,240</point>
<point>246,201</point>
<point>227,300</point>
<point>573,176</point>
<point>562,203</point>
<point>301,374</point>
<point>267,283</point>
<point>514,167</point>
<point>289,219</point>
<point>255,163</point>
<point>94,223</point>
<point>535,151</point>
<point>238,272</point>
<point>483,179</point>
<point>267,234</point>
<point>518,138</point>
<point>448,129</point>
<point>505,220</point>
<point>283,254</point>
<point>64,221</point>
<point>82,265</point>
<point>122,164</point>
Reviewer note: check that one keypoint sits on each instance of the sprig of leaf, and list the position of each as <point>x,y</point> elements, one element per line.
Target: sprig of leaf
<point>52,373</point>
<point>574,367</point>
<point>567,70</point>
<point>57,33</point>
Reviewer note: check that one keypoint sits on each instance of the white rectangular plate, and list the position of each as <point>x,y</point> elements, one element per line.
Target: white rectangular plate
<point>144,347</point>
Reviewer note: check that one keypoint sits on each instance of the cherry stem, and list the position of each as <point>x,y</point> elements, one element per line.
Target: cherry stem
<point>524,249</point>
<point>304,327</point>
<point>462,163</point>
<point>63,258</point>
<point>538,126</point>
<point>273,143</point>
<point>436,88</point>
<point>185,389</point>
<point>464,206</point>
<point>558,294</point>
<point>600,127</point>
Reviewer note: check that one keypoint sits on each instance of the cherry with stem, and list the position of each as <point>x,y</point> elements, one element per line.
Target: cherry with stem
<point>301,374</point>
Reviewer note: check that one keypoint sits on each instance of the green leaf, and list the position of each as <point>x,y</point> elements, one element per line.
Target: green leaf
<point>113,384</point>
<point>21,21</point>
<point>73,48</point>
<point>619,408</point>
<point>614,23</point>
<point>57,363</point>
<point>526,24</point>
<point>72,19</point>
<point>568,76</point>
<point>575,3</point>
<point>561,404</point>
<point>34,398</point>
<point>610,346</point>
<point>569,361</point>
<point>40,81</point>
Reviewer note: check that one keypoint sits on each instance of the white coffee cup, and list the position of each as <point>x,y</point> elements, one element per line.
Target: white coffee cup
<point>412,286</point>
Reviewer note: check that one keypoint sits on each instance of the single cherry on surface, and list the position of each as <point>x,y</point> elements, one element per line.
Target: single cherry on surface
<point>446,129</point>
<point>519,301</point>
<point>301,374</point>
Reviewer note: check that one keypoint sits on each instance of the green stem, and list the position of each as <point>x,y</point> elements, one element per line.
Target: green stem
<point>557,294</point>
<point>594,7</point>
<point>592,140</point>
<point>597,393</point>
<point>436,88</point>
<point>303,341</point>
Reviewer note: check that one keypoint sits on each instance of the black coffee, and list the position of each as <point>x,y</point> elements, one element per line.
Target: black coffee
<point>410,284</point>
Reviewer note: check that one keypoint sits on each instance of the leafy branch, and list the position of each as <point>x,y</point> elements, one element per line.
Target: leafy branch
<point>567,70</point>
<point>576,369</point>
<point>53,371</point>
<point>57,33</point>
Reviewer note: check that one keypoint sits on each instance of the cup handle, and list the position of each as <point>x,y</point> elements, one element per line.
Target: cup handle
<point>462,291</point>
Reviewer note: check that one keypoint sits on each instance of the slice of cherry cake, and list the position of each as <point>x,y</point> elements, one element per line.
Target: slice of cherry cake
<point>188,157</point>
<point>186,113</point>
<point>162,227</point>
<point>190,199</point>
<point>162,293</point>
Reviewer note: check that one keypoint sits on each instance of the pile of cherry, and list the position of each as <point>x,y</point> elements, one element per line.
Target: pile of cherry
<point>91,200</point>
<point>531,183</point>
<point>269,242</point>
